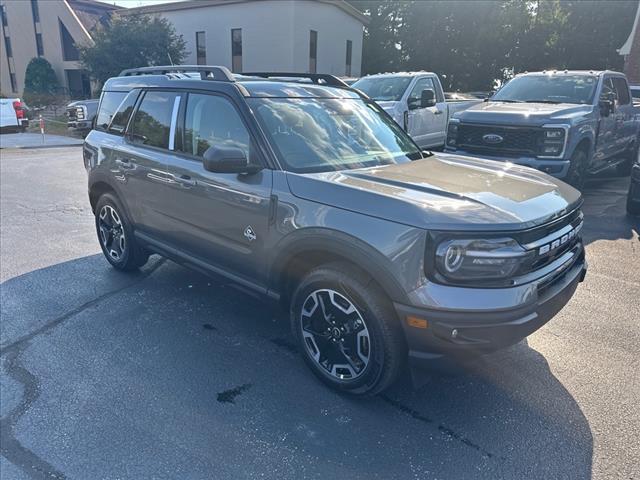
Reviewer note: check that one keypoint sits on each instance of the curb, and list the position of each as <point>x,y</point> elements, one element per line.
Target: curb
<point>34,147</point>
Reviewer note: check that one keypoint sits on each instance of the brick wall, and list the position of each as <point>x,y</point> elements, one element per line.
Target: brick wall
<point>632,61</point>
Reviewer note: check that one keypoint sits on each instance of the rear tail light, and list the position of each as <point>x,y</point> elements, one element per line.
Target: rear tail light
<point>19,108</point>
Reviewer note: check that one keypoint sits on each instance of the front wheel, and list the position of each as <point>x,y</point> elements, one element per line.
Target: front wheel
<point>577,169</point>
<point>347,330</point>
<point>116,235</point>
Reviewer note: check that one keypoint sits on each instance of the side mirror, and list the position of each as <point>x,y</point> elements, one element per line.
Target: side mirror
<point>427,98</point>
<point>607,107</point>
<point>227,160</point>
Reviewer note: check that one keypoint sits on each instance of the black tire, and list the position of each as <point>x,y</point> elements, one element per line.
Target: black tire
<point>126,255</point>
<point>385,346</point>
<point>633,199</point>
<point>577,173</point>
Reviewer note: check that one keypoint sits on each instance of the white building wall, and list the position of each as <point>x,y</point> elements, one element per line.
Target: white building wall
<point>334,28</point>
<point>275,34</point>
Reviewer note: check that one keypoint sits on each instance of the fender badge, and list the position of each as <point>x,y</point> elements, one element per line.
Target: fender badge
<point>249,234</point>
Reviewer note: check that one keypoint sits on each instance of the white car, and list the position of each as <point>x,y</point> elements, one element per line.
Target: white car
<point>416,102</point>
<point>13,114</point>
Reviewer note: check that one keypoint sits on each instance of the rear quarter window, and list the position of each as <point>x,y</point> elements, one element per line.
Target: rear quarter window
<point>109,103</point>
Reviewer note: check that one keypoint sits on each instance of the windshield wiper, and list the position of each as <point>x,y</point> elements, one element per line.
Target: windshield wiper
<point>542,101</point>
<point>504,101</point>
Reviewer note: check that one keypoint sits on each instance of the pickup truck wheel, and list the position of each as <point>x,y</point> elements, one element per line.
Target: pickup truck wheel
<point>116,236</point>
<point>577,169</point>
<point>347,330</point>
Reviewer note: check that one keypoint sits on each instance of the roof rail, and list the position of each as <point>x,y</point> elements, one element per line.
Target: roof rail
<point>207,72</point>
<point>318,78</point>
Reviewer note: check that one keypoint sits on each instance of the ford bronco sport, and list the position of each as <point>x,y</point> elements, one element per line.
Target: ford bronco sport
<point>305,191</point>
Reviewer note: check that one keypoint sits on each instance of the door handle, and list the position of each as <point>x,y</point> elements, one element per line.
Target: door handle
<point>162,178</point>
<point>186,181</point>
<point>438,112</point>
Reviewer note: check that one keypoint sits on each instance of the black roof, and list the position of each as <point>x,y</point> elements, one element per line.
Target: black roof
<point>212,78</point>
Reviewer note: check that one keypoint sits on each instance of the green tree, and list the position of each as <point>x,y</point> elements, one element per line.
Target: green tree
<point>131,41</point>
<point>40,82</point>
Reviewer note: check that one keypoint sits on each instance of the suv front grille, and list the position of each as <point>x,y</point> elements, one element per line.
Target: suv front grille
<point>515,140</point>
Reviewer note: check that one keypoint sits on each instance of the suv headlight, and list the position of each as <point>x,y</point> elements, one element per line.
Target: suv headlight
<point>465,260</point>
<point>553,141</point>
<point>452,133</point>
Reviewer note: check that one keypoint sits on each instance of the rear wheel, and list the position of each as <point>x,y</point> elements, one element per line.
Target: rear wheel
<point>116,235</point>
<point>577,169</point>
<point>347,330</point>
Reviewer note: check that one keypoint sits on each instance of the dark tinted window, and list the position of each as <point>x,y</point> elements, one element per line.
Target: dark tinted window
<point>236,49</point>
<point>213,121</point>
<point>34,11</point>
<point>7,46</point>
<point>121,117</point>
<point>635,92</point>
<point>607,89</point>
<point>69,50</point>
<point>152,122</point>
<point>201,49</point>
<point>108,104</point>
<point>622,90</point>
<point>39,45</point>
<point>313,51</point>
<point>347,70</point>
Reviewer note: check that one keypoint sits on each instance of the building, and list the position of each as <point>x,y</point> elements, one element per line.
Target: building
<point>631,52</point>
<point>49,29</point>
<point>304,36</point>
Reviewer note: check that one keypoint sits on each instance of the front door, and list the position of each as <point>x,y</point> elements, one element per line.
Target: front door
<point>219,218</point>
<point>606,141</point>
<point>426,125</point>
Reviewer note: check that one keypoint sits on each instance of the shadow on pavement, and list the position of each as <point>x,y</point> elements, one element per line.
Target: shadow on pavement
<point>168,373</point>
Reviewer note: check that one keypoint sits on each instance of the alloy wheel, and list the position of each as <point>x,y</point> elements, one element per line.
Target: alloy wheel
<point>335,334</point>
<point>112,234</point>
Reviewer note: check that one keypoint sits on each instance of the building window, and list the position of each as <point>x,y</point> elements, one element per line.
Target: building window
<point>236,50</point>
<point>7,46</point>
<point>39,46</point>
<point>201,48</point>
<point>347,70</point>
<point>34,11</point>
<point>69,50</point>
<point>313,51</point>
<point>3,15</point>
<point>14,82</point>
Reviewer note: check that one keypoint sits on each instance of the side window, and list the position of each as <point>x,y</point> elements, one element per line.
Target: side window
<point>607,89</point>
<point>213,121</point>
<point>108,105</point>
<point>121,117</point>
<point>151,124</point>
<point>421,84</point>
<point>622,90</point>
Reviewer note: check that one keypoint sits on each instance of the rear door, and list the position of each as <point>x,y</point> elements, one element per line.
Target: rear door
<point>426,125</point>
<point>219,218</point>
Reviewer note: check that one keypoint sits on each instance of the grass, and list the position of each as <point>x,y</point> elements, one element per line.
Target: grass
<point>53,126</point>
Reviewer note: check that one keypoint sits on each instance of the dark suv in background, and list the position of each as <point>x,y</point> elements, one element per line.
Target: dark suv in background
<point>303,190</point>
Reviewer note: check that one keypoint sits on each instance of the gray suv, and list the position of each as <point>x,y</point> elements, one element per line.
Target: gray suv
<point>306,192</point>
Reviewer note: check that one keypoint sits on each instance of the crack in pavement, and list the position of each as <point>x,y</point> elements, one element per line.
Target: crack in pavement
<point>10,446</point>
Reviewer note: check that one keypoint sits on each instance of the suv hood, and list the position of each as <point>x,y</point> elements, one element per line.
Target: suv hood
<point>532,114</point>
<point>444,192</point>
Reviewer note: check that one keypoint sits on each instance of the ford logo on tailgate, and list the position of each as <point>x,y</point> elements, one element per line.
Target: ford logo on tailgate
<point>492,138</point>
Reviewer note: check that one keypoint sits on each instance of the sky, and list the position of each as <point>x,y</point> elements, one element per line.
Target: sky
<point>136,3</point>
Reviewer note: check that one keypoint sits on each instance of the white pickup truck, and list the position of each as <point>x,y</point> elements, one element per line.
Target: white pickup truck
<point>416,102</point>
<point>13,114</point>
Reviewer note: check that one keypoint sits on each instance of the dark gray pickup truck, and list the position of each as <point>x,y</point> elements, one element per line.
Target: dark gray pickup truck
<point>306,192</point>
<point>569,124</point>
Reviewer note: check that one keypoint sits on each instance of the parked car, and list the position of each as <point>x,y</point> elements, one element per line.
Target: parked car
<point>416,101</point>
<point>633,197</point>
<point>568,124</point>
<point>80,114</point>
<point>13,115</point>
<point>635,93</point>
<point>310,195</point>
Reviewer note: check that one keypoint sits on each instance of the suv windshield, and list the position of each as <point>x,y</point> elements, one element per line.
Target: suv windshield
<point>549,89</point>
<point>383,89</point>
<point>327,134</point>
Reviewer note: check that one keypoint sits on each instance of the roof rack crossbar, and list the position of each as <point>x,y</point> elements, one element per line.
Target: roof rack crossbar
<point>318,78</point>
<point>207,72</point>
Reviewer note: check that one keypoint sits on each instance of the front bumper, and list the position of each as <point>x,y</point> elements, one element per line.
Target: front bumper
<point>473,331</point>
<point>555,167</point>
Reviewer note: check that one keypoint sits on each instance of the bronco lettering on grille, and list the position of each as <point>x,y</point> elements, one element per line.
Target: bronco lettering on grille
<point>558,242</point>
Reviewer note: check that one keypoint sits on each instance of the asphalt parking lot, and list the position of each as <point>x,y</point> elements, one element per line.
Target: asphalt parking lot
<point>170,374</point>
